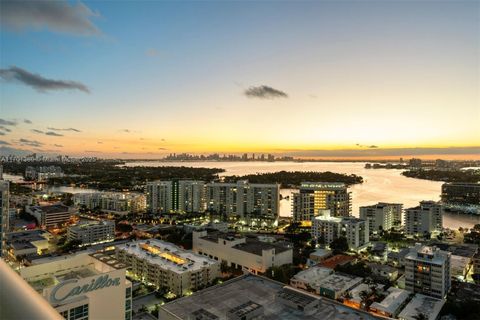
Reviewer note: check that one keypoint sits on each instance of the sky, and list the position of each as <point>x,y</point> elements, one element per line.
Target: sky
<point>305,78</point>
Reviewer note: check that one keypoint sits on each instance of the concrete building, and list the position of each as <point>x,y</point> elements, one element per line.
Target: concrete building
<point>382,216</point>
<point>319,255</point>
<point>51,216</point>
<point>43,173</point>
<point>391,305</point>
<point>175,196</point>
<point>315,196</point>
<point>309,279</point>
<point>92,232</point>
<point>4,213</point>
<point>167,266</point>
<point>335,285</point>
<point>427,271</point>
<point>24,243</point>
<point>354,299</point>
<point>383,271</point>
<point>326,228</point>
<point>425,218</point>
<point>248,254</point>
<point>252,297</point>
<point>83,286</point>
<point>421,304</point>
<point>120,203</point>
<point>243,199</point>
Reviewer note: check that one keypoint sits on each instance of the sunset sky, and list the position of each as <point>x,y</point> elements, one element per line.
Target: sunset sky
<point>321,79</point>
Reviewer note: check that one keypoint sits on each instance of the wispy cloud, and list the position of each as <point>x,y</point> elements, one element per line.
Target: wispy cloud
<point>54,134</point>
<point>162,149</point>
<point>37,131</point>
<point>31,143</point>
<point>38,82</point>
<point>58,145</point>
<point>365,146</point>
<point>2,128</point>
<point>64,129</point>
<point>2,133</point>
<point>57,16</point>
<point>4,122</point>
<point>264,92</point>
<point>27,121</point>
<point>5,143</point>
<point>92,151</point>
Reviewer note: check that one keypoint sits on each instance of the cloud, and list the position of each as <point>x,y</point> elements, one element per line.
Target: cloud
<point>4,122</point>
<point>5,143</point>
<point>2,133</point>
<point>92,151</point>
<point>373,146</point>
<point>31,143</point>
<point>64,129</point>
<point>39,83</point>
<point>57,16</point>
<point>99,142</point>
<point>125,130</point>
<point>58,145</point>
<point>162,149</point>
<point>264,92</point>
<point>36,131</point>
<point>364,146</point>
<point>54,134</point>
<point>5,129</point>
<point>27,121</point>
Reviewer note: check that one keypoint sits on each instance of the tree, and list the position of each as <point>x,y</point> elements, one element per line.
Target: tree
<point>339,245</point>
<point>420,316</point>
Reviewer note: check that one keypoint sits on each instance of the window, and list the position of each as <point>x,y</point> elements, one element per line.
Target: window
<point>128,293</point>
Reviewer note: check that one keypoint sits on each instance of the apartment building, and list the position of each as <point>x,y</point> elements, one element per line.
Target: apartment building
<point>167,266</point>
<point>4,213</point>
<point>51,216</point>
<point>248,254</point>
<point>93,232</point>
<point>382,216</point>
<point>179,196</point>
<point>120,203</point>
<point>327,228</point>
<point>43,173</point>
<point>427,271</point>
<point>315,196</point>
<point>425,218</point>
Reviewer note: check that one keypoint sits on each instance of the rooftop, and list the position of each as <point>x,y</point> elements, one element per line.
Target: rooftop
<point>339,259</point>
<point>394,300</point>
<point>250,292</point>
<point>92,224</point>
<point>340,282</point>
<point>166,255</point>
<point>355,292</point>
<point>54,208</point>
<point>421,304</point>
<point>428,254</point>
<point>313,276</point>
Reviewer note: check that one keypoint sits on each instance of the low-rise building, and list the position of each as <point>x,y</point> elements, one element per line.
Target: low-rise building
<point>43,173</point>
<point>319,255</point>
<point>335,285</point>
<point>120,203</point>
<point>391,305</point>
<point>92,232</point>
<point>83,286</point>
<point>23,243</point>
<point>253,297</point>
<point>397,258</point>
<point>167,266</point>
<point>384,271</point>
<point>354,298</point>
<point>460,267</point>
<point>420,304</point>
<point>248,254</point>
<point>337,260</point>
<point>309,279</point>
<point>379,251</point>
<point>51,216</point>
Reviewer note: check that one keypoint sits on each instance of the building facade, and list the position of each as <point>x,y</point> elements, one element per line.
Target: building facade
<point>83,287</point>
<point>425,218</point>
<point>243,199</point>
<point>250,255</point>
<point>167,266</point>
<point>93,232</point>
<point>462,195</point>
<point>43,173</point>
<point>4,213</point>
<point>51,216</point>
<point>315,196</point>
<point>382,216</point>
<point>114,202</point>
<point>326,228</point>
<point>175,196</point>
<point>427,271</point>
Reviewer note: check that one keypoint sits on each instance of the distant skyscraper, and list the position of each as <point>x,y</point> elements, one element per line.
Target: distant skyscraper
<point>4,213</point>
<point>427,217</point>
<point>427,271</point>
<point>315,196</point>
<point>382,216</point>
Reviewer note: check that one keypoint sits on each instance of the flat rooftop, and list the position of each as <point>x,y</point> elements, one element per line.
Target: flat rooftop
<point>427,254</point>
<point>54,208</point>
<point>92,224</point>
<point>254,292</point>
<point>313,276</point>
<point>340,282</point>
<point>166,255</point>
<point>395,298</point>
<point>355,292</point>
<point>339,259</point>
<point>421,304</point>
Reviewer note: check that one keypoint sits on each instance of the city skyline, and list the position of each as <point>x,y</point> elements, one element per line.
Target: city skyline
<point>314,80</point>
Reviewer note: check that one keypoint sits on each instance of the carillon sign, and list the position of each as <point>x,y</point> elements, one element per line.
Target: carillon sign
<point>58,295</point>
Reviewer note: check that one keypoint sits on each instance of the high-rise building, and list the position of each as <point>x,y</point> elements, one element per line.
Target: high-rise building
<point>180,196</point>
<point>243,199</point>
<point>382,216</point>
<point>315,196</point>
<point>463,194</point>
<point>120,203</point>
<point>326,228</point>
<point>427,271</point>
<point>4,213</point>
<point>425,218</point>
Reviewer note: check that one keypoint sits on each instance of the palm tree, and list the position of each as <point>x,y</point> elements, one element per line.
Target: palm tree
<point>420,316</point>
